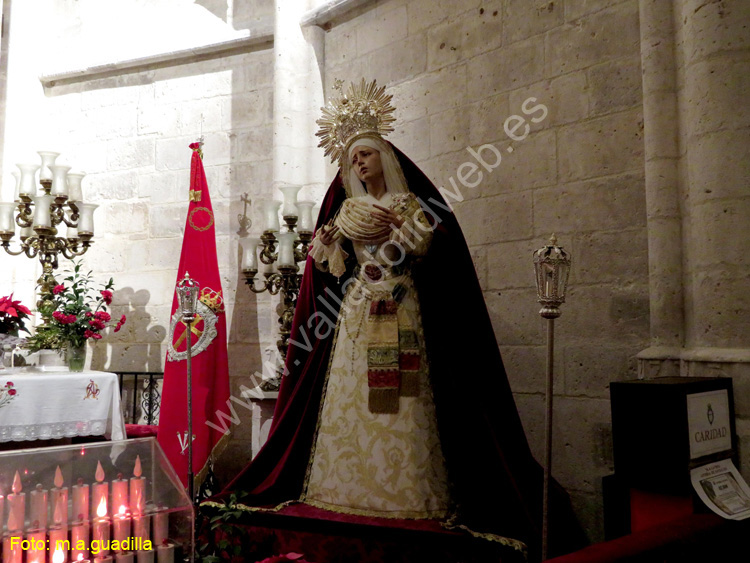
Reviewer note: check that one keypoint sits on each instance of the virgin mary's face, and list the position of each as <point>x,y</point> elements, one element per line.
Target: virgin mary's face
<point>366,163</point>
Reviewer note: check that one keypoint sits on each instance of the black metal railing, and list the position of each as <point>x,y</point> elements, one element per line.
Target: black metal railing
<point>140,396</point>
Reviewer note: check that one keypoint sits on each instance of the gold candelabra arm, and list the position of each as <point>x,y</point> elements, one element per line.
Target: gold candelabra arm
<point>302,246</point>
<point>6,245</point>
<point>268,248</point>
<point>70,248</point>
<point>272,284</point>
<point>25,217</point>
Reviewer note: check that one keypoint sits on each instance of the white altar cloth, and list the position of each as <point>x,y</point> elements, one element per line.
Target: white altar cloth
<point>46,405</point>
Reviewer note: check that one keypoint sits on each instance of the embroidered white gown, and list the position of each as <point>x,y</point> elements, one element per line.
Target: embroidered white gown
<point>377,464</point>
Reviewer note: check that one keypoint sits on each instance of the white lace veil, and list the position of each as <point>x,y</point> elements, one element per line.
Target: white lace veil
<point>395,182</point>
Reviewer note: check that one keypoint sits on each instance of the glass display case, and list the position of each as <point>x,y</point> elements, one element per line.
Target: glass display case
<point>107,502</point>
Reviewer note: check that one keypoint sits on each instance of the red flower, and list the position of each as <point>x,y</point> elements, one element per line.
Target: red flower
<point>107,296</point>
<point>9,384</point>
<point>89,314</point>
<point>97,324</point>
<point>88,333</point>
<point>58,289</point>
<point>122,320</point>
<point>12,392</point>
<point>118,327</point>
<point>103,316</point>
<point>96,336</point>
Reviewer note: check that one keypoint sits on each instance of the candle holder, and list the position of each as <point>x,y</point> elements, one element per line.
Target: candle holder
<point>41,213</point>
<point>280,251</point>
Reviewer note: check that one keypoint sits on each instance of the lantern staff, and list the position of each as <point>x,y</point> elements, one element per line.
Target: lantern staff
<point>552,267</point>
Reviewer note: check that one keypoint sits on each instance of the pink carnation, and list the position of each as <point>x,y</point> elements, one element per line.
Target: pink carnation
<point>88,334</point>
<point>96,336</point>
<point>58,289</point>
<point>107,296</point>
<point>97,324</point>
<point>103,316</point>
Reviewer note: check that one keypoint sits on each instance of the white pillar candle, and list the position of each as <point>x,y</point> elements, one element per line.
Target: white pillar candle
<point>86,218</point>
<point>165,553</point>
<point>305,223</point>
<point>42,213</point>
<point>249,253</point>
<point>12,552</point>
<point>286,249</point>
<point>37,547</point>
<point>80,501</point>
<point>7,219</point>
<point>59,179</point>
<point>100,540</point>
<point>121,526</point>
<point>145,556</point>
<point>59,500</point>
<point>48,160</point>
<point>141,527</point>
<point>16,506</point>
<point>137,489</point>
<point>75,193</point>
<point>126,557</point>
<point>27,184</point>
<point>26,232</point>
<point>120,494</point>
<point>161,527</point>
<point>290,200</point>
<point>38,508</point>
<point>58,542</point>
<point>271,215</point>
<point>79,540</point>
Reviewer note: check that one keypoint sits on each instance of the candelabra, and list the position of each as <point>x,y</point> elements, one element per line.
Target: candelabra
<point>552,267</point>
<point>279,253</point>
<point>40,213</point>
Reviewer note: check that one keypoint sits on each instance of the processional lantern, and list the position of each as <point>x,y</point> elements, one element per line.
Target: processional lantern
<point>187,295</point>
<point>552,267</point>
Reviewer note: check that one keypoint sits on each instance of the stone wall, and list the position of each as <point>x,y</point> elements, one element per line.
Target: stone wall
<point>129,130</point>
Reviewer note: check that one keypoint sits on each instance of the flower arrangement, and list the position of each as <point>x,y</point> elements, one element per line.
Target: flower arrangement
<point>13,315</point>
<point>7,393</point>
<point>77,312</point>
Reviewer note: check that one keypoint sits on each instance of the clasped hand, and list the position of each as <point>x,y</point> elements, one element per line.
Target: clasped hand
<point>383,217</point>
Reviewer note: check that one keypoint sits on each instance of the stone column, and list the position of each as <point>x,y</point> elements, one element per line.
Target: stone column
<point>662,190</point>
<point>298,96</point>
<point>713,70</point>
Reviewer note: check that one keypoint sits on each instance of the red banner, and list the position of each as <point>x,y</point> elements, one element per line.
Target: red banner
<point>208,337</point>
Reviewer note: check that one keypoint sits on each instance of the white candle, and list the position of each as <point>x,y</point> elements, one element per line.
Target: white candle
<point>145,556</point>
<point>42,215</point>
<point>121,526</point>
<point>7,221</point>
<point>59,499</point>
<point>80,501</point>
<point>290,200</point>
<point>16,506</point>
<point>17,179</point>
<point>141,525</point>
<point>37,550</point>
<point>161,527</point>
<point>12,552</point>
<point>120,494</point>
<point>271,214</point>
<point>137,488</point>
<point>79,540</point>
<point>59,179</point>
<point>305,224</point>
<point>286,249</point>
<point>126,557</point>
<point>26,232</point>
<point>249,253</point>
<point>58,541</point>
<point>75,193</point>
<point>38,508</point>
<point>99,493</point>
<point>48,160</point>
<point>100,541</point>
<point>86,218</point>
<point>165,553</point>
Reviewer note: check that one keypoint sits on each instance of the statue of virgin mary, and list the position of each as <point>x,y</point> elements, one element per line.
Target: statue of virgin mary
<point>396,403</point>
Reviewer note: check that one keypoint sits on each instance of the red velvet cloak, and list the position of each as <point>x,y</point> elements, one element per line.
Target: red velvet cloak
<point>495,482</point>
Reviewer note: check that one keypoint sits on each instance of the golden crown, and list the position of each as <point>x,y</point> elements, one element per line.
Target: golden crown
<point>365,108</point>
<point>212,299</point>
